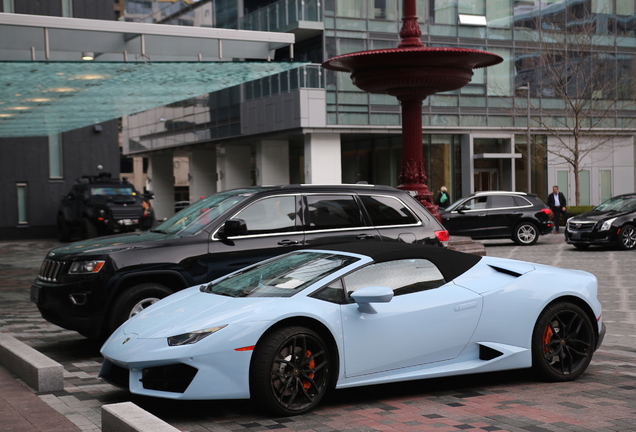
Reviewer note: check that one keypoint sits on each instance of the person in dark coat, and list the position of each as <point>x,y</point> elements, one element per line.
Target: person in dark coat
<point>556,202</point>
<point>443,198</point>
<point>147,219</point>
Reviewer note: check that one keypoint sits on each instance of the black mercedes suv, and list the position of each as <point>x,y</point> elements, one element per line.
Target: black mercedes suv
<point>93,286</point>
<point>518,216</point>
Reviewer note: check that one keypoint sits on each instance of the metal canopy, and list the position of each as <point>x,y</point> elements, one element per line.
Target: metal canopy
<point>45,88</point>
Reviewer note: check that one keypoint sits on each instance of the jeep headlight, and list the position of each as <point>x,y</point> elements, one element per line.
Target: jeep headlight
<point>607,224</point>
<point>193,337</point>
<point>82,267</point>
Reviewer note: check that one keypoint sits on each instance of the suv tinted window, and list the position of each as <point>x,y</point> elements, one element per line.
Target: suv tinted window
<point>270,215</point>
<point>387,211</point>
<point>502,201</point>
<point>476,203</point>
<point>522,202</point>
<point>333,211</point>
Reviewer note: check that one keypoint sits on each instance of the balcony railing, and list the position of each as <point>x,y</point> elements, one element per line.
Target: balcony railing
<point>307,76</point>
<point>280,15</point>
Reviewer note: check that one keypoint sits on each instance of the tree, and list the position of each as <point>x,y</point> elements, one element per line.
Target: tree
<point>577,64</point>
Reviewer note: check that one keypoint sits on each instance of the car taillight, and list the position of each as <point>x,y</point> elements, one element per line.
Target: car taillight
<point>547,211</point>
<point>442,236</point>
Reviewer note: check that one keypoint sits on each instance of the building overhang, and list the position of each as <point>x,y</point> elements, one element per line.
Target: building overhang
<point>45,87</point>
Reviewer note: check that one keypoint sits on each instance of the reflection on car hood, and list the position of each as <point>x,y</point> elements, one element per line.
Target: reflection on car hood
<point>193,310</point>
<point>109,244</point>
<point>598,215</point>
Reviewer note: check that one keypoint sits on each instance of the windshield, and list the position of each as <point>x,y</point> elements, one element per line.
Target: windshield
<point>193,218</point>
<point>108,190</point>
<point>282,277</point>
<point>618,204</point>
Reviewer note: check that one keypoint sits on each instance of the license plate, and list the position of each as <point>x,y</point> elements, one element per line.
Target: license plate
<point>35,294</point>
<point>576,236</point>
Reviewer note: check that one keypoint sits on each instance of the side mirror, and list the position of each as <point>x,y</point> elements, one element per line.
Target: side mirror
<point>371,294</point>
<point>232,228</point>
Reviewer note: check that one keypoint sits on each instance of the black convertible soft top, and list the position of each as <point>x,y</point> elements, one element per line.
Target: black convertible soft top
<point>450,263</point>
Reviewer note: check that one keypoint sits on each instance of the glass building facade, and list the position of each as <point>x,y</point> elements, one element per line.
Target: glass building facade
<point>493,115</point>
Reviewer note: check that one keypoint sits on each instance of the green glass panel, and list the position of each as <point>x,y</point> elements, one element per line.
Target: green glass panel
<point>385,119</point>
<point>584,185</point>
<point>606,185</point>
<point>60,96</point>
<point>471,120</point>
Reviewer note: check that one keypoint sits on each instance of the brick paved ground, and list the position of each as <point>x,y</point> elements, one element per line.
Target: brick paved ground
<point>603,399</point>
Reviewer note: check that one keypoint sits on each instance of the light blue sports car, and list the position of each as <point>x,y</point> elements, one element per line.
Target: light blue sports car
<point>286,330</point>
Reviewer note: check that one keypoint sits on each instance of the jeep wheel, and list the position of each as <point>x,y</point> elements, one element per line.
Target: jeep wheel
<point>525,234</point>
<point>132,301</point>
<point>64,229</point>
<point>89,230</point>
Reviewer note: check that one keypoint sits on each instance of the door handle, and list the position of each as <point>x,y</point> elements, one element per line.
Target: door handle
<point>287,242</point>
<point>364,237</point>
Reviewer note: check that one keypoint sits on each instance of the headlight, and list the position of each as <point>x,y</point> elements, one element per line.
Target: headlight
<point>79,267</point>
<point>193,337</point>
<point>607,224</point>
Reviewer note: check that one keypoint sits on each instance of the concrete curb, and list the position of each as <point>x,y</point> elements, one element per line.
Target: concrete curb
<point>34,368</point>
<point>128,417</point>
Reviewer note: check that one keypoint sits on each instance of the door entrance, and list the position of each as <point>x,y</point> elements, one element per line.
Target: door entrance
<point>486,180</point>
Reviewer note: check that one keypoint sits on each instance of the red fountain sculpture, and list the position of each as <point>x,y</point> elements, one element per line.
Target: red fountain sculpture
<point>411,72</point>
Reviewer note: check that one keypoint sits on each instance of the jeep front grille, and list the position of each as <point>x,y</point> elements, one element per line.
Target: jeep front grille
<point>50,270</point>
<point>126,212</point>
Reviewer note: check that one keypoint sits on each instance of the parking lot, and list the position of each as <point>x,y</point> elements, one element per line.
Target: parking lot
<point>602,400</point>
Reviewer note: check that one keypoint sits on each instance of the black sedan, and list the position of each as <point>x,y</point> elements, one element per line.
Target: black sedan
<point>612,223</point>
<point>518,216</point>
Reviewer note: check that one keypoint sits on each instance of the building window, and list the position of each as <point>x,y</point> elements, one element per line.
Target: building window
<point>22,203</point>
<point>55,156</point>
<point>606,185</point>
<point>67,8</point>
<point>584,187</point>
<point>8,6</point>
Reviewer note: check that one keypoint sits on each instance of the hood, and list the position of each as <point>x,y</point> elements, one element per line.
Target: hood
<point>192,310</point>
<point>110,244</point>
<point>595,215</point>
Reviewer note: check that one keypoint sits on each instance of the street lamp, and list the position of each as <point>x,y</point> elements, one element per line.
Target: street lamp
<point>527,88</point>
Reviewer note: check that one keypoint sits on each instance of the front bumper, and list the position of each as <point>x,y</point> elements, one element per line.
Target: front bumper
<point>72,306</point>
<point>591,237</point>
<point>209,369</point>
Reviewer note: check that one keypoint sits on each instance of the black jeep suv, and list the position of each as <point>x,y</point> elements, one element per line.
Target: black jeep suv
<point>518,216</point>
<point>99,205</point>
<point>94,286</point>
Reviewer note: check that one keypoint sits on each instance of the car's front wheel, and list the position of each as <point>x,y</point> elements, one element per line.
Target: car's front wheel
<point>525,234</point>
<point>562,342</point>
<point>134,300</point>
<point>290,371</point>
<point>627,237</point>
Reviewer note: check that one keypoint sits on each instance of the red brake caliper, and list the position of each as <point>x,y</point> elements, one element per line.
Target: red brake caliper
<point>312,364</point>
<point>547,337</point>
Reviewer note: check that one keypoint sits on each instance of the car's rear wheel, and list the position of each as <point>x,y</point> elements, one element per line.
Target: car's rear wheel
<point>562,342</point>
<point>525,234</point>
<point>89,230</point>
<point>290,371</point>
<point>627,237</point>
<point>64,229</point>
<point>134,300</point>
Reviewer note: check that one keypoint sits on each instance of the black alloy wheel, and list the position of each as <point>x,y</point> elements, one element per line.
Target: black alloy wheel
<point>290,371</point>
<point>562,343</point>
<point>627,237</point>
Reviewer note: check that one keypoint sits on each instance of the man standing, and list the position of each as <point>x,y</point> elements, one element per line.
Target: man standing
<point>556,202</point>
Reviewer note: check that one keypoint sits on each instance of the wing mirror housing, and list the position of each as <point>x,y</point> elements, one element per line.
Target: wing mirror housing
<point>371,294</point>
<point>232,228</point>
